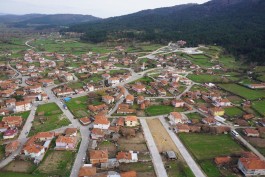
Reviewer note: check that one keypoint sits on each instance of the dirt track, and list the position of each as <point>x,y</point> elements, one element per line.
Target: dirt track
<point>161,137</point>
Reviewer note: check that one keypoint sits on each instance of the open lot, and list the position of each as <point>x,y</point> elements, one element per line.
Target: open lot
<point>194,115</point>
<point>19,166</point>
<point>2,151</point>
<point>243,91</point>
<point>143,169</point>
<point>203,78</point>
<point>178,169</point>
<point>136,143</point>
<point>78,106</point>
<point>259,106</point>
<point>57,163</point>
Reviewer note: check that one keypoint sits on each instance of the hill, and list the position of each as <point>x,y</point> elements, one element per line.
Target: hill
<point>45,20</point>
<point>237,25</point>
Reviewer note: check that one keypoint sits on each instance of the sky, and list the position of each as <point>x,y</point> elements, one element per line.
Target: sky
<point>98,8</point>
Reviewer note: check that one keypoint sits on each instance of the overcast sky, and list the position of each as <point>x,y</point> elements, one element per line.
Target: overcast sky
<point>99,8</point>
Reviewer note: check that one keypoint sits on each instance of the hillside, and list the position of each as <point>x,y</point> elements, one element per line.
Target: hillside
<point>237,25</point>
<point>45,20</point>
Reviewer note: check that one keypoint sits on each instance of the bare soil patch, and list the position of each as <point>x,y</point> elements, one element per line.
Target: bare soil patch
<point>19,166</point>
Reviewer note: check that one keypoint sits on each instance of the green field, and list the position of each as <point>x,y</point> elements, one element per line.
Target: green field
<point>68,46</point>
<point>243,91</point>
<point>2,151</point>
<point>14,174</point>
<point>161,110</point>
<point>178,169</point>
<point>216,145</point>
<point>50,120</point>
<point>194,115</point>
<point>233,112</point>
<point>259,106</point>
<point>78,106</point>
<point>202,78</point>
<point>199,56</point>
<point>205,147</point>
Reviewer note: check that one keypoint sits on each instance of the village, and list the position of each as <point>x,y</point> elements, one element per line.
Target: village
<point>118,112</point>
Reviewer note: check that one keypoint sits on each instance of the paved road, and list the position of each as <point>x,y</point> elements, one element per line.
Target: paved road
<point>22,137</point>
<point>182,149</point>
<point>156,158</point>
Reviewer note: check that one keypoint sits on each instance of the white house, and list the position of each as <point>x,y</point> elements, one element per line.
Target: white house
<point>101,122</point>
<point>33,150</point>
<point>127,157</point>
<point>113,80</point>
<point>22,106</point>
<point>176,118</point>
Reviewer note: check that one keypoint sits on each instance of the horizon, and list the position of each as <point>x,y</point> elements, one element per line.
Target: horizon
<point>110,9</point>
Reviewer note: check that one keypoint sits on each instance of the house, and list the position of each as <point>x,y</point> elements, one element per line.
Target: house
<point>44,136</point>
<point>10,133</point>
<point>105,76</point>
<point>217,111</point>
<point>120,122</point>
<point>209,121</point>
<point>129,99</point>
<point>86,171</point>
<point>251,166</point>
<point>85,121</point>
<point>46,82</point>
<point>177,103</point>
<point>251,132</point>
<point>12,121</point>
<point>22,106</point>
<point>69,76</point>
<point>161,92</point>
<point>125,109</point>
<point>139,88</point>
<point>127,157</point>
<point>3,127</point>
<point>129,174</point>
<point>97,133</point>
<point>10,102</point>
<point>101,122</point>
<point>140,99</point>
<point>222,102</point>
<point>222,160</point>
<point>182,128</point>
<point>33,150</point>
<point>90,87</point>
<point>176,118</point>
<point>256,86</point>
<point>107,99</point>
<point>35,89</point>
<point>11,147</point>
<point>66,142</point>
<point>70,132</point>
<point>131,121</point>
<point>248,116</point>
<point>113,80</point>
<point>98,156</point>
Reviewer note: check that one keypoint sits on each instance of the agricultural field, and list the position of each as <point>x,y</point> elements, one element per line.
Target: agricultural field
<point>68,46</point>
<point>233,112</point>
<point>78,106</point>
<point>259,106</point>
<point>57,163</point>
<point>216,145</point>
<point>155,110</point>
<point>243,91</point>
<point>48,117</point>
<point>204,78</point>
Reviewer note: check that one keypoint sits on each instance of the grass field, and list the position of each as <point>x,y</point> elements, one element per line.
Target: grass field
<point>259,106</point>
<point>161,109</point>
<point>199,56</point>
<point>68,46</point>
<point>233,112</point>
<point>243,91</point>
<point>178,169</point>
<point>194,115</point>
<point>2,151</point>
<point>49,109</point>
<point>57,163</point>
<point>78,106</point>
<point>216,145</point>
<point>202,78</point>
<point>205,147</point>
<point>52,119</point>
<point>14,174</point>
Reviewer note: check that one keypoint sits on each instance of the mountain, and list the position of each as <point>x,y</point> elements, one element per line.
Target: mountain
<point>45,20</point>
<point>237,25</point>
